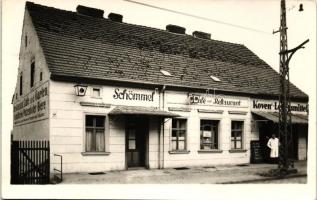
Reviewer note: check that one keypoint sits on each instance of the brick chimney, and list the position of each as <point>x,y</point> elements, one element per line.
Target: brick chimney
<point>92,12</point>
<point>175,29</point>
<point>115,17</point>
<point>202,35</point>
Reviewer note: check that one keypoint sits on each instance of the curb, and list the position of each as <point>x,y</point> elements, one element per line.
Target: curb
<point>265,179</point>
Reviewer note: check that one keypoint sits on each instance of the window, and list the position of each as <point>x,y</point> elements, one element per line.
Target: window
<point>32,73</point>
<point>21,84</point>
<point>236,134</point>
<point>41,76</point>
<point>26,41</point>
<point>179,134</point>
<point>95,133</point>
<point>208,134</point>
<point>96,92</point>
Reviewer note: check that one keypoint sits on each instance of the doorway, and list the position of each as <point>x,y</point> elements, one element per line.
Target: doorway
<point>137,129</point>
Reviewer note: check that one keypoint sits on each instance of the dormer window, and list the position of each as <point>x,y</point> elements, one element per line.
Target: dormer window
<point>214,78</point>
<point>165,73</point>
<point>32,73</point>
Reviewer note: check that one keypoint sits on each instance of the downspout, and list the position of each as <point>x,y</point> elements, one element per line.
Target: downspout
<point>163,106</point>
<point>159,134</point>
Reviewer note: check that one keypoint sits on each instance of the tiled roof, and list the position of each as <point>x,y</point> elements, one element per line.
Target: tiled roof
<point>81,46</point>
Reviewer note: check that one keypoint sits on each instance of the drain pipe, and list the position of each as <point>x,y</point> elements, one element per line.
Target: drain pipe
<point>162,126</point>
<point>159,132</point>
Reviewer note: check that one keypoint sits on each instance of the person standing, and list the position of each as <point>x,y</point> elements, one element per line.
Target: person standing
<point>273,144</point>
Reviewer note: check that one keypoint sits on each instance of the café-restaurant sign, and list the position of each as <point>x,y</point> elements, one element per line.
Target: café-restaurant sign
<point>274,105</point>
<point>216,100</point>
<point>32,107</point>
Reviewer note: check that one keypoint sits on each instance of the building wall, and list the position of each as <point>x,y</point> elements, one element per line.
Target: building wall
<point>31,126</point>
<point>195,157</point>
<point>67,128</point>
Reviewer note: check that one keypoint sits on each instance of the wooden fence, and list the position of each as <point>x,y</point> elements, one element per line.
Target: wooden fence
<point>30,162</point>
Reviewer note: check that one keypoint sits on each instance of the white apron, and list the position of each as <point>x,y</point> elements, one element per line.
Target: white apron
<point>273,145</point>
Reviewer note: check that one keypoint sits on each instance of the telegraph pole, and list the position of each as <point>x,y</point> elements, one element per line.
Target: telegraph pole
<point>285,118</point>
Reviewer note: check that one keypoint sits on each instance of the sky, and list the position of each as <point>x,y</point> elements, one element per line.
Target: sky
<point>263,15</point>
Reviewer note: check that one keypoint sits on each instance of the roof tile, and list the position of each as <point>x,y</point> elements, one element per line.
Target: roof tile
<point>82,46</point>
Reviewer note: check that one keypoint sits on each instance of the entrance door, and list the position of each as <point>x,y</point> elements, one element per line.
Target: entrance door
<point>136,132</point>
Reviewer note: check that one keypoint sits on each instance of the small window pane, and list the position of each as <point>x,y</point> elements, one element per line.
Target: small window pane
<point>89,138</point>
<point>181,133</point>
<point>131,134</point>
<point>181,145</point>
<point>96,92</point>
<point>174,145</point>
<point>131,144</point>
<point>100,140</point>
<point>89,120</point>
<point>182,124</point>
<point>232,145</point>
<point>174,133</point>
<point>100,121</point>
<point>238,145</point>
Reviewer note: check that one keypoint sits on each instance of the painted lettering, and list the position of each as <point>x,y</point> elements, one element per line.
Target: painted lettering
<point>131,95</point>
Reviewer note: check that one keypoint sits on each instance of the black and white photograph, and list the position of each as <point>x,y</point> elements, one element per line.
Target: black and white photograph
<point>148,99</point>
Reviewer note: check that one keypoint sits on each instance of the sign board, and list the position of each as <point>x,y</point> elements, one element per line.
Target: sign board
<point>132,95</point>
<point>256,155</point>
<point>216,100</point>
<point>32,107</point>
<point>257,104</point>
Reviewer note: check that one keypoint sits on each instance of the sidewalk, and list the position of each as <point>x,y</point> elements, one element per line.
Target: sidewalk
<point>196,175</point>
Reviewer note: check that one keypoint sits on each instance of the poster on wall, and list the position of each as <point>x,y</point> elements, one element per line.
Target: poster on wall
<point>31,107</point>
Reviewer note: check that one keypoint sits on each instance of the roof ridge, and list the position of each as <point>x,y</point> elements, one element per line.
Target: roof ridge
<point>28,4</point>
<point>126,51</point>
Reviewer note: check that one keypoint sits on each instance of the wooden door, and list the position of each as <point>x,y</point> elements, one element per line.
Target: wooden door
<point>136,130</point>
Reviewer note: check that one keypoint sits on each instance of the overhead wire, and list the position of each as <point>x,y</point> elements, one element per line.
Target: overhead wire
<point>199,17</point>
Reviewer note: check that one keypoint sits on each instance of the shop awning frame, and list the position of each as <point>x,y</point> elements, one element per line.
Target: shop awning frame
<point>274,117</point>
<point>140,110</point>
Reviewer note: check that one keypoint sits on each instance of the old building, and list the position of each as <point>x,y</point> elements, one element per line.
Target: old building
<point>110,95</point>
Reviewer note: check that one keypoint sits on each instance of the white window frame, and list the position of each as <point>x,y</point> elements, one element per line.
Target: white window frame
<point>218,132</point>
<point>186,135</point>
<point>242,134</point>
<point>92,92</point>
<point>106,134</point>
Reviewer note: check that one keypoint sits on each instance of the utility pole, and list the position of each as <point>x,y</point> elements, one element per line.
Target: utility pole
<point>285,117</point>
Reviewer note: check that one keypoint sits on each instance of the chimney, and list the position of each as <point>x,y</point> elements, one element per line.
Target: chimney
<point>92,12</point>
<point>202,35</point>
<point>175,29</point>
<point>115,17</point>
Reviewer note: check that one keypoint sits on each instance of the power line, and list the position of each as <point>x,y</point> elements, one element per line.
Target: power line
<point>199,17</point>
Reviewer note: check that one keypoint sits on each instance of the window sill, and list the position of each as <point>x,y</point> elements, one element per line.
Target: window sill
<point>237,150</point>
<point>96,97</point>
<point>210,151</point>
<point>95,153</point>
<point>179,152</point>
